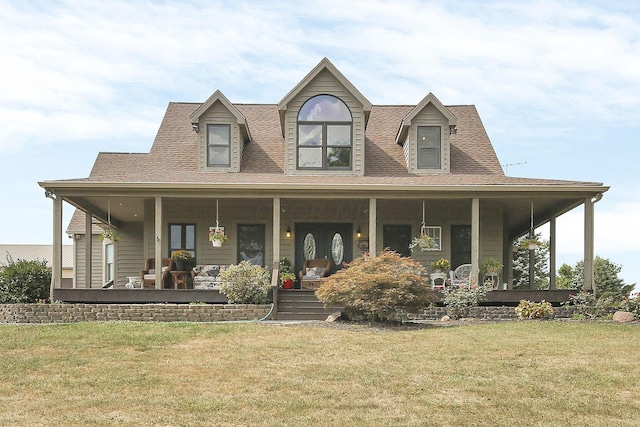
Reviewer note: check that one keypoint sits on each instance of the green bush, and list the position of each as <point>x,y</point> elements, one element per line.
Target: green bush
<point>534,310</point>
<point>587,306</point>
<point>380,288</point>
<point>632,305</point>
<point>245,283</point>
<point>459,300</point>
<point>24,281</point>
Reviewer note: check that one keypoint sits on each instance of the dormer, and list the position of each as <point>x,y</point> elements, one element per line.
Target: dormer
<point>222,133</point>
<point>424,135</point>
<point>323,121</point>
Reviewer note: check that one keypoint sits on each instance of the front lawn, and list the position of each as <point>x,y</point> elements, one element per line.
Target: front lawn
<point>559,373</point>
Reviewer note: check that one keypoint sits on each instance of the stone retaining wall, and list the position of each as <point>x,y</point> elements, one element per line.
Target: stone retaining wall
<point>488,313</point>
<point>67,313</point>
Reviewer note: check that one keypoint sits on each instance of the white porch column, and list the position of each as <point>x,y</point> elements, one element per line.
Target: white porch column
<point>276,231</point>
<point>158,242</point>
<point>56,264</point>
<point>475,237</point>
<point>552,252</point>
<point>588,245</point>
<point>88,250</point>
<point>373,226</point>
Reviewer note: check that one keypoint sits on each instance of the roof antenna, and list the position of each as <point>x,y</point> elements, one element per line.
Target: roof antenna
<point>506,166</point>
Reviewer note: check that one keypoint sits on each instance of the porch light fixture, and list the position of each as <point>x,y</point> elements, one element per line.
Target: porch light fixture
<point>453,130</point>
<point>195,127</point>
<point>359,233</point>
<point>288,232</point>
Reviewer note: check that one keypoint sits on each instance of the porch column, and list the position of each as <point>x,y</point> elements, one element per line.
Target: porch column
<point>276,231</point>
<point>588,245</point>
<point>158,242</point>
<point>88,248</point>
<point>552,252</point>
<point>56,264</point>
<point>475,237</point>
<point>373,225</point>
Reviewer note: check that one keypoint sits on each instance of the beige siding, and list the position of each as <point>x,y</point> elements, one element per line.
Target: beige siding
<point>218,114</point>
<point>129,252</point>
<point>97,262</point>
<point>325,83</point>
<point>429,116</point>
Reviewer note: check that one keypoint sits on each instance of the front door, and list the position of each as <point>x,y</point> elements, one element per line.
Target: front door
<point>323,240</point>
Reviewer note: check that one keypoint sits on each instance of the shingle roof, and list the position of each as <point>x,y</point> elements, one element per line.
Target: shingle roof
<point>173,157</point>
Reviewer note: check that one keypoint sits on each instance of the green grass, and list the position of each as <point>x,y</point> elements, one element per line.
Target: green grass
<point>181,374</point>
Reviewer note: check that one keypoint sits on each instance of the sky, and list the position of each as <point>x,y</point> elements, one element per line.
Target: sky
<point>556,83</point>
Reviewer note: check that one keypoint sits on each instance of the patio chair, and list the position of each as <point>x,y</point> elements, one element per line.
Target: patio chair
<point>313,271</point>
<point>461,276</point>
<point>149,273</point>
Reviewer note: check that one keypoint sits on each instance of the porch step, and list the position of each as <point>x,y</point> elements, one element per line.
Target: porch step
<point>302,304</point>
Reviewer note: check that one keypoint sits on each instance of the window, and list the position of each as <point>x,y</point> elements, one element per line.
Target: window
<point>429,147</point>
<point>436,236</point>
<point>324,134</point>
<point>109,262</point>
<point>397,238</point>
<point>182,236</point>
<point>218,145</point>
<point>251,243</point>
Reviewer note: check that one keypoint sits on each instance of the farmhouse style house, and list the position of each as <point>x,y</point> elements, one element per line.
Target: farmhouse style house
<point>323,174</point>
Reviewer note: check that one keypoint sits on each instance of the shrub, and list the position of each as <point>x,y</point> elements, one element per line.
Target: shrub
<point>587,306</point>
<point>245,283</point>
<point>534,310</point>
<point>380,288</point>
<point>24,281</point>
<point>632,305</point>
<point>459,300</point>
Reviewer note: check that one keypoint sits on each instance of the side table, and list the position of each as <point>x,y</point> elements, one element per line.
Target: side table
<point>179,279</point>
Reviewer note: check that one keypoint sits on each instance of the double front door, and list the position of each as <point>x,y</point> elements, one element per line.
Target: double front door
<point>333,241</point>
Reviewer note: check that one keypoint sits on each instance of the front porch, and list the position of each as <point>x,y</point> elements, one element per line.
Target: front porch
<point>263,229</point>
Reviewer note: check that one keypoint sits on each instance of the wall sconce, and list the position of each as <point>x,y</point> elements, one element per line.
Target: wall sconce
<point>195,127</point>
<point>288,232</point>
<point>359,233</point>
<point>453,130</point>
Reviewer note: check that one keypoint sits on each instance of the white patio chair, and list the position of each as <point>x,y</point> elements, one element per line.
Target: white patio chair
<point>460,276</point>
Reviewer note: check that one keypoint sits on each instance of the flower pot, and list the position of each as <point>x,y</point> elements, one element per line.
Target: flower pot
<point>216,243</point>
<point>287,284</point>
<point>180,265</point>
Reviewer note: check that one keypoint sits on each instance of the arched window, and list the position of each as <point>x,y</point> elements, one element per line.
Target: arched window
<point>324,134</point>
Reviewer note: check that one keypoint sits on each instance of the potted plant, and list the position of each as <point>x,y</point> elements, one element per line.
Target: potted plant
<point>109,234</point>
<point>286,280</point>
<point>286,275</point>
<point>530,243</point>
<point>441,265</point>
<point>217,236</point>
<point>491,267</point>
<point>182,259</point>
<point>423,242</point>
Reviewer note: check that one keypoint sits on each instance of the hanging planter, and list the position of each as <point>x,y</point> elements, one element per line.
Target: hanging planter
<point>530,244</point>
<point>109,235</point>
<point>217,236</point>
<point>424,243</point>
